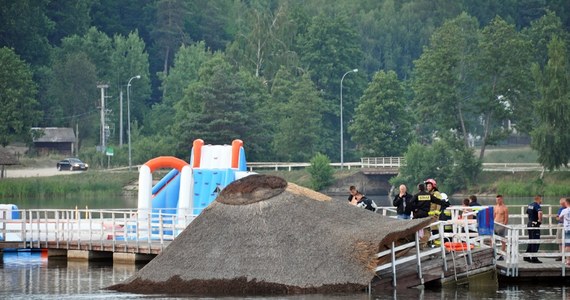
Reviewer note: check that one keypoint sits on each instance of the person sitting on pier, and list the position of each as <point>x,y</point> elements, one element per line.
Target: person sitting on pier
<point>365,202</point>
<point>466,209</point>
<point>473,201</point>
<point>534,212</point>
<point>352,189</point>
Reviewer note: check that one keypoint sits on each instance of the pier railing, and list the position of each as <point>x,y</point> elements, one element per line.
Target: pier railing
<point>35,228</point>
<point>457,231</point>
<point>515,237</point>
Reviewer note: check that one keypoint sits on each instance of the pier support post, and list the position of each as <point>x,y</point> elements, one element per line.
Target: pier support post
<point>88,255</point>
<point>56,253</point>
<point>131,258</point>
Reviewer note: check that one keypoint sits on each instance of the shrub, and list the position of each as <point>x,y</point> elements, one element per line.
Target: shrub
<point>321,171</point>
<point>451,164</point>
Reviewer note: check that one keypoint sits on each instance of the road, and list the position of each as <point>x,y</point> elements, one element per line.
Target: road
<point>36,172</point>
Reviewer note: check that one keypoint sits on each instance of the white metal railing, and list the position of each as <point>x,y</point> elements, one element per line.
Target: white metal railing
<point>515,237</point>
<point>389,162</point>
<point>289,166</point>
<point>382,162</point>
<point>35,228</point>
<point>460,233</point>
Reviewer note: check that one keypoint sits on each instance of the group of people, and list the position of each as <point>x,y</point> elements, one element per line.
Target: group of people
<point>428,201</point>
<point>358,199</point>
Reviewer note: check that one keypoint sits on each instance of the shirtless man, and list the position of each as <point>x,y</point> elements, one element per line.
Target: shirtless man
<point>501,213</point>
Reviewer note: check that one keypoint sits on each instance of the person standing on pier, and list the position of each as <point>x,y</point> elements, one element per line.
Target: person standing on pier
<point>534,212</point>
<point>403,204</point>
<point>565,216</point>
<point>560,220</point>
<point>501,213</point>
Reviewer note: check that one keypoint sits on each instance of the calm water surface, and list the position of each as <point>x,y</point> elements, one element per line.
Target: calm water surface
<point>29,275</point>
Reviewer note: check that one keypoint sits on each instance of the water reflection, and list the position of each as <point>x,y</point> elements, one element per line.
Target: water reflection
<point>30,275</point>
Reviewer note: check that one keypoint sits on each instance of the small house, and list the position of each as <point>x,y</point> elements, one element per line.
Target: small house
<point>54,140</point>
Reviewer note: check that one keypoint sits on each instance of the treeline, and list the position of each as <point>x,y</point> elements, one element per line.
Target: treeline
<point>270,73</point>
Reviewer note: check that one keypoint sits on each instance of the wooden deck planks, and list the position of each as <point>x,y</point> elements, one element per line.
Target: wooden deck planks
<point>548,268</point>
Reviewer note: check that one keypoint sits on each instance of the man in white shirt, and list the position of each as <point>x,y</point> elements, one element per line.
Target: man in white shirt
<point>565,215</point>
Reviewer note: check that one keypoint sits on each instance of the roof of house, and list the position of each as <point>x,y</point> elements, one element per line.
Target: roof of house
<point>263,235</point>
<point>53,134</point>
<point>7,158</point>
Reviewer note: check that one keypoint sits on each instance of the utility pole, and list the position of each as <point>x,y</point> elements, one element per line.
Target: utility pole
<point>102,87</point>
<point>121,118</point>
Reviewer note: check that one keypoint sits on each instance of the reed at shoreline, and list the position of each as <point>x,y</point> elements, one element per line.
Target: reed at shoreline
<point>92,183</point>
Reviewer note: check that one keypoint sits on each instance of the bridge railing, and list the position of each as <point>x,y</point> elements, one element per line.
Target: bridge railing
<point>365,162</point>
<point>382,162</point>
<point>390,162</point>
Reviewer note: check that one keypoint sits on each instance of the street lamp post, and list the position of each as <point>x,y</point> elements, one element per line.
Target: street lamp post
<point>341,126</point>
<point>129,115</point>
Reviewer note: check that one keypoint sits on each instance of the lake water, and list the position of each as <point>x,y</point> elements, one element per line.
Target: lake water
<point>29,275</point>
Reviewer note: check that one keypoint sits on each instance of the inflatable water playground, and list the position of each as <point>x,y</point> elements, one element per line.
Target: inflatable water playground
<point>191,186</point>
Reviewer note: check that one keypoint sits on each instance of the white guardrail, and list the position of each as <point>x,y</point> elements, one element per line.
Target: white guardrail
<point>391,162</point>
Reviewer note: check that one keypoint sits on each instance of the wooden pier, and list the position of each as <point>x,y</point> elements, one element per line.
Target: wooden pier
<point>132,236</point>
<point>548,268</point>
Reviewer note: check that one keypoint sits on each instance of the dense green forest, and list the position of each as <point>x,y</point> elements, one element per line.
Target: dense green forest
<point>454,72</point>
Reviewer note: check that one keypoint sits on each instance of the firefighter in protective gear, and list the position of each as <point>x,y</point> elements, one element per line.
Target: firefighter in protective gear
<point>422,201</point>
<point>431,186</point>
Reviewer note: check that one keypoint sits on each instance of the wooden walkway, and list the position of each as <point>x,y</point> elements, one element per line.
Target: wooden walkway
<point>548,268</point>
<point>133,236</point>
<point>433,269</point>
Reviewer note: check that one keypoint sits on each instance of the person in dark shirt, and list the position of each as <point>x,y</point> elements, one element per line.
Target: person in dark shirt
<point>473,201</point>
<point>365,202</point>
<point>403,203</point>
<point>422,201</point>
<point>534,212</point>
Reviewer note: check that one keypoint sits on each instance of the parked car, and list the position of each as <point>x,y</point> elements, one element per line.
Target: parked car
<point>72,164</point>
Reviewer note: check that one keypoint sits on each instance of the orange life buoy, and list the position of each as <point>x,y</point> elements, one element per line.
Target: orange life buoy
<point>457,246</point>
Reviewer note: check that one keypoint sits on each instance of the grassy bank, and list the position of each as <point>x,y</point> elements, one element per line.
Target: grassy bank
<point>523,184</point>
<point>99,183</point>
<point>87,184</point>
<point>489,183</point>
